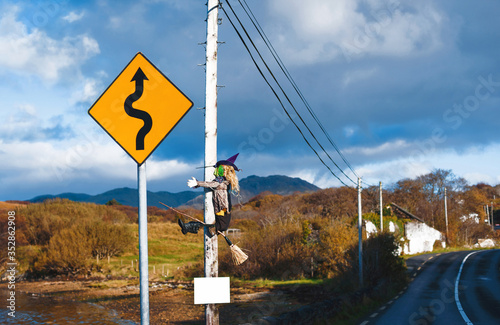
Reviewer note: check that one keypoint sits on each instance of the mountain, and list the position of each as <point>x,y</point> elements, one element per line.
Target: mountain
<point>125,196</point>
<point>254,185</point>
<point>250,187</point>
<point>276,184</point>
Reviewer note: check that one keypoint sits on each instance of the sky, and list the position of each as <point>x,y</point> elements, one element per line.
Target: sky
<point>400,87</point>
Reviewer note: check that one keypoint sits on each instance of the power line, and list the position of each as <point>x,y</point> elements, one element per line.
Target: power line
<point>278,60</point>
<point>282,90</point>
<point>275,93</point>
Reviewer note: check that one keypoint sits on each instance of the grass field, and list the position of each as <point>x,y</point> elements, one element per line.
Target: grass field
<point>168,252</point>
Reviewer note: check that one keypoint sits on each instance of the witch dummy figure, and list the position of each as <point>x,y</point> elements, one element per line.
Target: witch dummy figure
<point>225,183</point>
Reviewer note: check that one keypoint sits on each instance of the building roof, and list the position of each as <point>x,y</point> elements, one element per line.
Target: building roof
<point>411,216</point>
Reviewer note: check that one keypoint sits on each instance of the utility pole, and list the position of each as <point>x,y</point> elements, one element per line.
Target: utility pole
<point>446,215</point>
<point>381,209</point>
<point>210,243</point>
<point>492,214</point>
<point>360,235</point>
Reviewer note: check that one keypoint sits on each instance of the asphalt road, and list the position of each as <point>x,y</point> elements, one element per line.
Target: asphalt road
<point>433,296</point>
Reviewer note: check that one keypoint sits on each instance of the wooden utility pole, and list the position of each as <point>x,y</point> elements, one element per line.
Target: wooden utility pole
<point>492,214</point>
<point>381,209</point>
<point>360,235</point>
<point>446,215</point>
<point>210,244</point>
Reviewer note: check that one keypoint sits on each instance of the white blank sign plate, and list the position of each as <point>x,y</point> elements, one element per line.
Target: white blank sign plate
<point>211,291</point>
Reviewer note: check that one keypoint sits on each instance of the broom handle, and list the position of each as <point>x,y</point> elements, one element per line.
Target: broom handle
<point>186,215</point>
<point>225,237</point>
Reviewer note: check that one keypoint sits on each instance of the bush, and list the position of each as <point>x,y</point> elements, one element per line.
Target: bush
<point>107,239</point>
<point>63,236</point>
<point>68,252</point>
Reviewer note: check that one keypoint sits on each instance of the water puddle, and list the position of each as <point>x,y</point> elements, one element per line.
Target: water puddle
<point>46,310</point>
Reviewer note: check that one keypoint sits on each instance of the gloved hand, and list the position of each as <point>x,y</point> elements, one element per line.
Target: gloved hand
<point>193,183</point>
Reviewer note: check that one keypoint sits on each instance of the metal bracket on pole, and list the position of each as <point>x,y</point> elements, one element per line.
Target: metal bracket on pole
<point>143,244</point>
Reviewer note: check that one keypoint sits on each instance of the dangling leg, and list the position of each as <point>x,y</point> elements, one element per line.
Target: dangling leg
<point>191,226</point>
<point>222,221</point>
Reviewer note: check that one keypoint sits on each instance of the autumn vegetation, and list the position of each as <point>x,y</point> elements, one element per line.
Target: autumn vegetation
<point>300,236</point>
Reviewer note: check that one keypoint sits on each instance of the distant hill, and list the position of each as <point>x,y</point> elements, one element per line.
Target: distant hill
<point>276,184</point>
<point>125,196</point>
<point>254,185</point>
<point>250,187</point>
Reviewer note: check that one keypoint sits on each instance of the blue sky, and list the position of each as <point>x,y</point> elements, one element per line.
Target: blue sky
<point>402,87</point>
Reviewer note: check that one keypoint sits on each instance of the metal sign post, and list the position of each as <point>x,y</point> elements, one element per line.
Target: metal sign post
<point>143,243</point>
<point>138,110</point>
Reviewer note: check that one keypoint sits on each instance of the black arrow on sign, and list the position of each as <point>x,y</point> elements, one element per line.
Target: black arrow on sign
<point>139,78</point>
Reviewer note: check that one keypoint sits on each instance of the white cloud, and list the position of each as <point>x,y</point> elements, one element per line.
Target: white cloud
<point>92,158</point>
<point>35,53</point>
<point>386,148</point>
<point>358,75</point>
<point>322,30</point>
<point>73,16</point>
<point>163,169</point>
<point>473,164</point>
<point>24,122</point>
<point>88,92</point>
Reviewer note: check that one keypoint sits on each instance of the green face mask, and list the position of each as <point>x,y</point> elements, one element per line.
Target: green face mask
<point>219,171</point>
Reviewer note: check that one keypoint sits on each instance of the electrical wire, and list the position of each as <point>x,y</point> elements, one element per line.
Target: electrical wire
<point>284,93</point>
<point>282,90</point>
<point>276,95</point>
<point>280,63</point>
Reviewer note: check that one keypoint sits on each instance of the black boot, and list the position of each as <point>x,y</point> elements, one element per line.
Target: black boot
<point>191,226</point>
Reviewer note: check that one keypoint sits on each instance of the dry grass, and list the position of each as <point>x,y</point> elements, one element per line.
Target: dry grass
<point>8,206</point>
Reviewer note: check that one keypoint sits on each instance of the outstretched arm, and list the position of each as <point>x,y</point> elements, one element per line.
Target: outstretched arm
<point>193,183</point>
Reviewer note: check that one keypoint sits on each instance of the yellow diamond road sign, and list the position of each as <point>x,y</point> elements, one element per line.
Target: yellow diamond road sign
<point>140,108</point>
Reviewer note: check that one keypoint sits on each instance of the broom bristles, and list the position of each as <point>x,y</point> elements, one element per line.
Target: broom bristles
<point>238,255</point>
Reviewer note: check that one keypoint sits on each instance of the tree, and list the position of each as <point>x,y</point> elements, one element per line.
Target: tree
<point>113,202</point>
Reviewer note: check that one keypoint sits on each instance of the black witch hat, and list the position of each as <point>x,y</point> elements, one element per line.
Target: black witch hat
<point>228,162</point>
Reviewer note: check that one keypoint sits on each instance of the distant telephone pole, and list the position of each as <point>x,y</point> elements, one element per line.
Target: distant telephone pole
<point>381,209</point>
<point>210,243</point>
<point>492,214</point>
<point>360,235</point>
<point>446,215</point>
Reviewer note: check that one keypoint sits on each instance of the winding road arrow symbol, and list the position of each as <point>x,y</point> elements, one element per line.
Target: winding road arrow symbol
<point>139,78</point>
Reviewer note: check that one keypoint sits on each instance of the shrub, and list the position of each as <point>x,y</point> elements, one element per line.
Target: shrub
<point>68,252</point>
<point>107,239</point>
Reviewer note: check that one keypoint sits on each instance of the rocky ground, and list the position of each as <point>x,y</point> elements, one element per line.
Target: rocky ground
<point>173,302</point>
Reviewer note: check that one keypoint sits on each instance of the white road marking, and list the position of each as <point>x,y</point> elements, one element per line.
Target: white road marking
<point>457,299</point>
<point>373,315</point>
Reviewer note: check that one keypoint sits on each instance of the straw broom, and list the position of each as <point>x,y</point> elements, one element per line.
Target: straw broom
<point>238,256</point>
